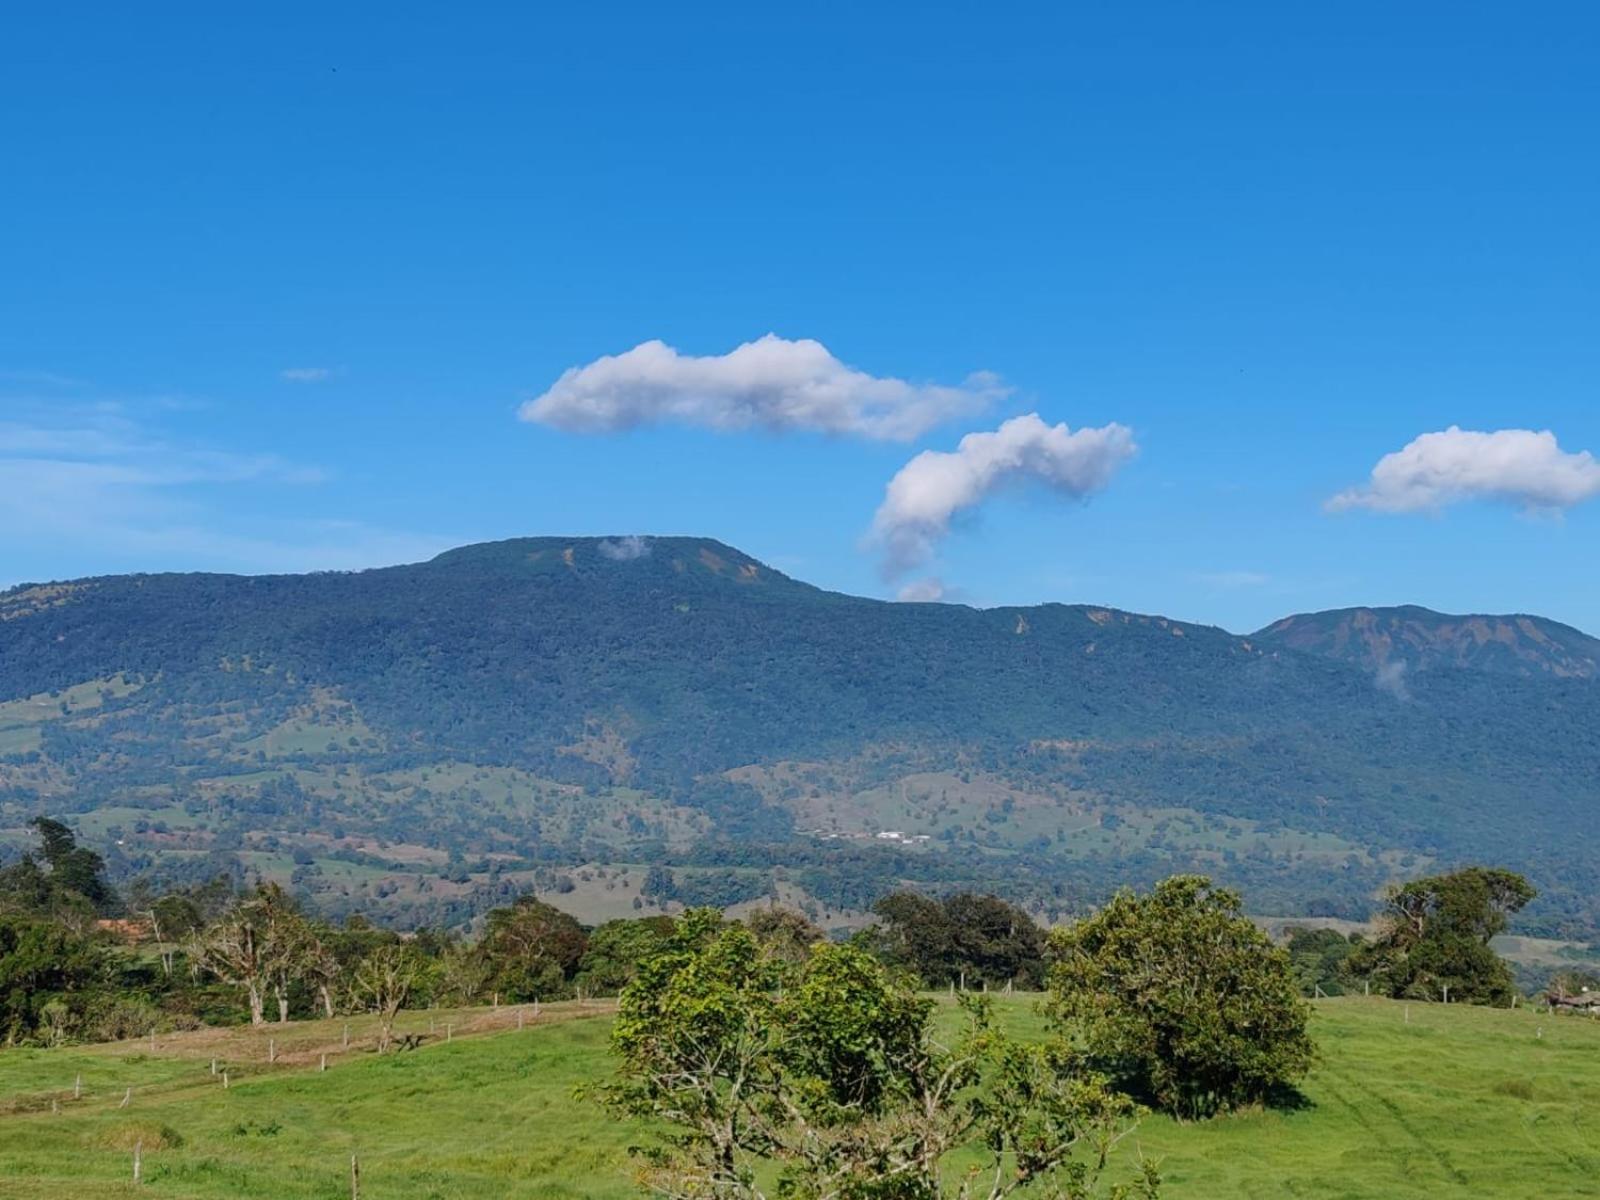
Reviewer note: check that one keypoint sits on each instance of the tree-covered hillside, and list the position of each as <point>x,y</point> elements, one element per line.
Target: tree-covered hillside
<point>422,734</point>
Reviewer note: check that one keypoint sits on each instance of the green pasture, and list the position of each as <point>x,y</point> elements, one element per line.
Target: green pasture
<point>1409,1101</point>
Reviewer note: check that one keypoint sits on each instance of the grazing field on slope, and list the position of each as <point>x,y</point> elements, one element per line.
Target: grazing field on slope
<point>1450,1101</point>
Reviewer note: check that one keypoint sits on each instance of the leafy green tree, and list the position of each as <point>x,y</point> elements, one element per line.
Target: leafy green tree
<point>1434,934</point>
<point>73,868</point>
<point>533,950</point>
<point>828,1069</point>
<point>63,880</point>
<point>964,938</point>
<point>1319,959</point>
<point>46,965</point>
<point>614,951</point>
<point>1184,1000</point>
<point>783,933</point>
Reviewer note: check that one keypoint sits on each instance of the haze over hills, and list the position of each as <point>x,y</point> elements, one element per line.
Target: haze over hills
<point>643,722</point>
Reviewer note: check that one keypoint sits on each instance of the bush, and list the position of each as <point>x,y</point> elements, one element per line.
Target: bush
<point>1182,999</point>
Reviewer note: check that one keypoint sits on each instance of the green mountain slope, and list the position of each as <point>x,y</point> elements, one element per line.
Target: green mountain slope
<point>522,712</point>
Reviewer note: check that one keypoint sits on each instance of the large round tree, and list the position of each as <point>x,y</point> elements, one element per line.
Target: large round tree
<point>1181,998</point>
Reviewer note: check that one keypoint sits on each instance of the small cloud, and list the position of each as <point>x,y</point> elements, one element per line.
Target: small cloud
<point>930,490</point>
<point>625,549</point>
<point>1516,466</point>
<point>1391,679</point>
<point>771,383</point>
<point>922,591</point>
<point>1233,579</point>
<point>307,374</point>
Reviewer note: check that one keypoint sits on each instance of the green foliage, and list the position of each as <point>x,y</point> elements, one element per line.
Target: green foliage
<point>827,1070</point>
<point>533,950</point>
<point>47,972</point>
<point>964,938</point>
<point>70,880</point>
<point>1434,937</point>
<point>1182,998</point>
<point>1320,959</point>
<point>614,951</point>
<point>784,933</point>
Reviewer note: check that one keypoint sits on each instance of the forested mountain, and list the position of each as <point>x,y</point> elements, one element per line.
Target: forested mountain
<point>1420,639</point>
<point>641,722</point>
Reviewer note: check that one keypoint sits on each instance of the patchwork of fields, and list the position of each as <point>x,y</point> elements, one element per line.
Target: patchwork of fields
<point>1409,1101</point>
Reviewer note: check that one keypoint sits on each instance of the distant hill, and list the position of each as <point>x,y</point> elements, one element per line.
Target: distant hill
<point>637,723</point>
<point>1424,640</point>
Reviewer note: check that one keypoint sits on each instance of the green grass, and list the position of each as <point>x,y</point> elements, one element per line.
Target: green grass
<point>1455,1102</point>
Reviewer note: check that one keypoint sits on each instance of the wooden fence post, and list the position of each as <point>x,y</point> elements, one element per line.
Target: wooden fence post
<point>355,1178</point>
<point>126,1096</point>
<point>77,1087</point>
<point>138,1162</point>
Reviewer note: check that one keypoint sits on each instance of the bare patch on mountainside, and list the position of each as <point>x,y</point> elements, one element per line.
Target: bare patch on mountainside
<point>1425,640</point>
<point>26,601</point>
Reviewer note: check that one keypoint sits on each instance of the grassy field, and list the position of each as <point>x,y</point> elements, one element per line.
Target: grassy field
<point>1410,1101</point>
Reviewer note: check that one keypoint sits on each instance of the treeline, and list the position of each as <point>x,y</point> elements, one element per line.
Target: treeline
<point>79,962</point>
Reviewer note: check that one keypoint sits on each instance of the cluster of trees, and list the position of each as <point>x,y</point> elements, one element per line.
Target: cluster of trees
<point>78,962</point>
<point>1431,942</point>
<point>826,1064</point>
<point>213,954</point>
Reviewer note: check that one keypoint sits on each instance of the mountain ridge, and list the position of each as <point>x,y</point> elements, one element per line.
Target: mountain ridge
<point>673,700</point>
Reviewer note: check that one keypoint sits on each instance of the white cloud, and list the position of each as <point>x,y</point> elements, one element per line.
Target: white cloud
<point>1518,466</point>
<point>771,383</point>
<point>625,549</point>
<point>927,493</point>
<point>307,374</point>
<point>922,591</point>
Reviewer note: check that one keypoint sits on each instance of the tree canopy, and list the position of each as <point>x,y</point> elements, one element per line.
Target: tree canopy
<point>1434,934</point>
<point>829,1068</point>
<point>1182,998</point>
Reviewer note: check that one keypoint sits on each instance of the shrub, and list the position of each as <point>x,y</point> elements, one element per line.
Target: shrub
<point>1182,999</point>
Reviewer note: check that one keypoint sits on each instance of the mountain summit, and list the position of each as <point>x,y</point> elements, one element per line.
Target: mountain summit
<point>1424,640</point>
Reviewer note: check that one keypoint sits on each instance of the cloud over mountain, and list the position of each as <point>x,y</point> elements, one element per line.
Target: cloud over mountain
<point>1518,466</point>
<point>772,384</point>
<point>929,491</point>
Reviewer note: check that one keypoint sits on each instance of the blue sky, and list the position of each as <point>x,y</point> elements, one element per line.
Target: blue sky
<point>1269,244</point>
